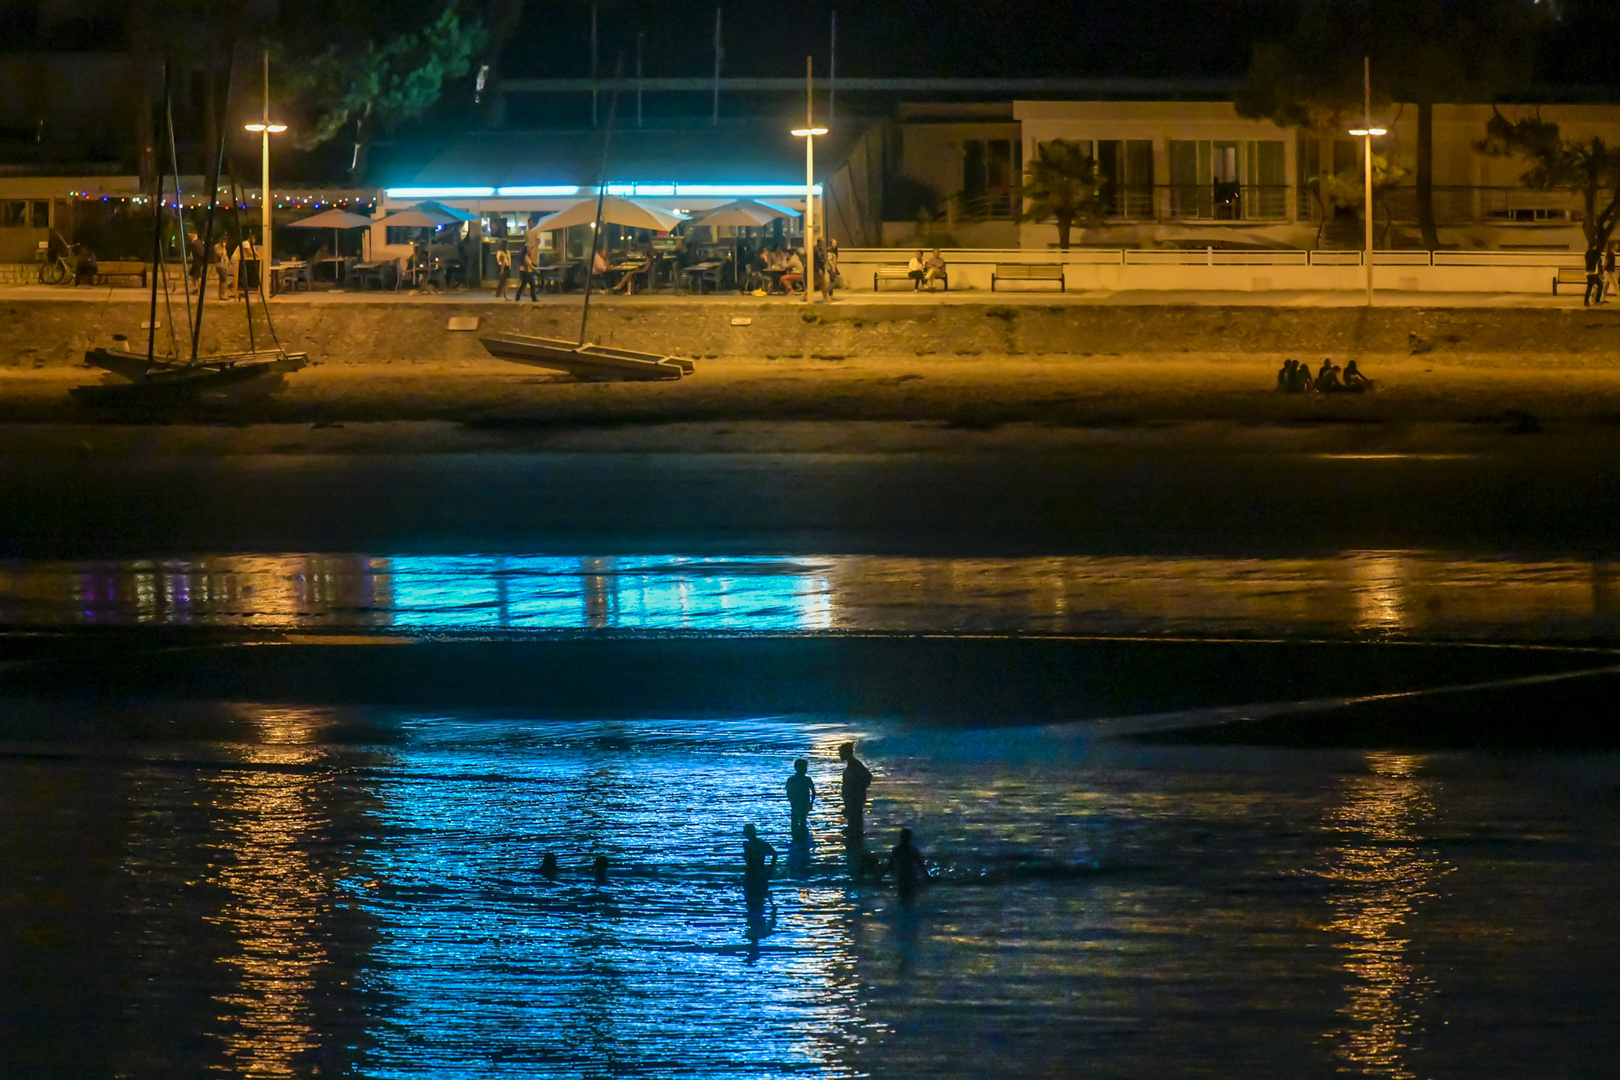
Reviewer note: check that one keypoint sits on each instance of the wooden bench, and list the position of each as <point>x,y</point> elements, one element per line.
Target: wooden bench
<point>114,268</point>
<point>1028,272</point>
<point>900,272</point>
<point>1569,275</point>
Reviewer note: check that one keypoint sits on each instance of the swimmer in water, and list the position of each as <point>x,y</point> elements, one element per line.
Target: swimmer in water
<point>907,867</point>
<point>756,875</point>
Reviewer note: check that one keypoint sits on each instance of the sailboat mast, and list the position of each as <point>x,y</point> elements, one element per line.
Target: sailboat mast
<point>157,239</point>
<point>213,201</point>
<point>601,193</point>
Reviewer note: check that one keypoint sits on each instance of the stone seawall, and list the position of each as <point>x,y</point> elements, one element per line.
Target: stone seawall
<point>39,333</point>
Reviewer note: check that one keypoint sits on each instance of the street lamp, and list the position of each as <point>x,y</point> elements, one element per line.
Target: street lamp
<point>808,133</point>
<point>1365,133</point>
<point>266,129</point>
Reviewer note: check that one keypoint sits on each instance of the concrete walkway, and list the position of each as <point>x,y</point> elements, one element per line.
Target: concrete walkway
<point>897,297</point>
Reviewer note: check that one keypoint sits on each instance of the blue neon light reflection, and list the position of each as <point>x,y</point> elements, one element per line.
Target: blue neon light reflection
<point>644,592</point>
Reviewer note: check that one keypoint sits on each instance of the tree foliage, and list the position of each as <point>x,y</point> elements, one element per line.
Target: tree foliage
<point>1062,184</point>
<point>1422,52</point>
<point>1554,162</point>
<point>376,85</point>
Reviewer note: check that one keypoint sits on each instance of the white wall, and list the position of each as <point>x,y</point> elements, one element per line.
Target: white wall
<point>1104,270</point>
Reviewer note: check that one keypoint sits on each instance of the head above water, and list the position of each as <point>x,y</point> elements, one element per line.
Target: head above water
<point>905,837</point>
<point>846,750</point>
<point>750,832</point>
<point>800,765</point>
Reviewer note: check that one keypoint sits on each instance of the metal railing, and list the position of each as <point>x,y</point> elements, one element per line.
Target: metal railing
<point>1459,204</point>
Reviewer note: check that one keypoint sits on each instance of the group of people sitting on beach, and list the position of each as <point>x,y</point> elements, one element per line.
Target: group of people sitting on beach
<point>1295,378</point>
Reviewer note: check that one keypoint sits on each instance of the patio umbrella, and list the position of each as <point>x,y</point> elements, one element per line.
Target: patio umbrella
<point>334,220</point>
<point>421,216</point>
<point>616,210</point>
<point>744,212</point>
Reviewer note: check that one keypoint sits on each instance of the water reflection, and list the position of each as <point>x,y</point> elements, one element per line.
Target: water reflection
<point>277,888</point>
<point>1361,593</point>
<point>1381,873</point>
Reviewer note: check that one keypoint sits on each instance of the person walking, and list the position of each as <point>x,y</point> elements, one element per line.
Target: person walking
<point>829,275</point>
<point>1594,278</point>
<point>246,252</point>
<point>1610,283</point>
<point>222,265</point>
<point>503,270</point>
<point>856,782</point>
<point>801,795</point>
<point>756,875</point>
<point>528,277</point>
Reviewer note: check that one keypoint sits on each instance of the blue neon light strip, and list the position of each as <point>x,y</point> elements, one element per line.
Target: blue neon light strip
<point>439,192</point>
<point>642,189</point>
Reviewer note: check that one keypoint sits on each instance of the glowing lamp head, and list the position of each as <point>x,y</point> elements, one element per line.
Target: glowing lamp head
<point>802,132</point>
<point>274,129</point>
<point>1361,132</point>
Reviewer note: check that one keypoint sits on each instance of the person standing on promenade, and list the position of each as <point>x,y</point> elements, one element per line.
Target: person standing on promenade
<point>1594,278</point>
<point>503,269</point>
<point>857,780</point>
<point>801,795</point>
<point>756,875</point>
<point>829,276</point>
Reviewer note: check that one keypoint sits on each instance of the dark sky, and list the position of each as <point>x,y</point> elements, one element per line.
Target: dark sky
<point>1087,38</point>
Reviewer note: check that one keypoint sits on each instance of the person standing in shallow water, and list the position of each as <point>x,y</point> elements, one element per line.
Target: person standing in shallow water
<point>801,795</point>
<point>548,867</point>
<point>906,866</point>
<point>756,875</point>
<point>857,779</point>
<point>599,869</point>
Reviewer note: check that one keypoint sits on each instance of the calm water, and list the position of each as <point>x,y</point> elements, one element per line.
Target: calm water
<point>1356,593</point>
<point>270,892</point>
<point>258,890</point>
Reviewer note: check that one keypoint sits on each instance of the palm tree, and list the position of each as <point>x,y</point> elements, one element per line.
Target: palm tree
<point>1062,184</point>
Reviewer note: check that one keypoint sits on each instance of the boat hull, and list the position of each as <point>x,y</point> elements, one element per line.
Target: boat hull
<point>598,363</point>
<point>155,381</point>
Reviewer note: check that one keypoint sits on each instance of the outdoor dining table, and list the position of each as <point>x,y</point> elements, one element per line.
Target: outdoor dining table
<point>339,265</point>
<point>698,273</point>
<point>628,269</point>
<point>775,274</point>
<point>368,272</point>
<point>552,278</point>
<point>285,276</point>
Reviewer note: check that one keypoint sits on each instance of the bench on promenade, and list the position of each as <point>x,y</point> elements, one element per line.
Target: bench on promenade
<point>900,272</point>
<point>1568,275</point>
<point>121,268</point>
<point>1028,272</point>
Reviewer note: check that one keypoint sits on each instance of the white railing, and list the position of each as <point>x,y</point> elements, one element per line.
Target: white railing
<point>1085,256</point>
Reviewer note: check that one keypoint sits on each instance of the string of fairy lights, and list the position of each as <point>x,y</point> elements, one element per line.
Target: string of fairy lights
<point>252,200</point>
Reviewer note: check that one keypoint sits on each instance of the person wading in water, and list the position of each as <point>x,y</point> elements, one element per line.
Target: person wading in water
<point>801,795</point>
<point>857,779</point>
<point>756,875</point>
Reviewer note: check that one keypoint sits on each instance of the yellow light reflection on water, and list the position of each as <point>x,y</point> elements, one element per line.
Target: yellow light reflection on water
<point>275,894</point>
<point>1381,873</point>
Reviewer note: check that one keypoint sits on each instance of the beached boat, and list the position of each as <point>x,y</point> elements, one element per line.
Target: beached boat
<point>158,379</point>
<point>152,380</point>
<point>596,363</point>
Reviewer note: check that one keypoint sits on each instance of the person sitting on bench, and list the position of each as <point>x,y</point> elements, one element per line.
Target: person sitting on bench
<point>917,270</point>
<point>935,267</point>
<point>84,266</point>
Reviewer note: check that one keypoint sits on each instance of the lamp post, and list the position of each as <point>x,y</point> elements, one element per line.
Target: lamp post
<point>1366,132</point>
<point>265,128</point>
<point>808,133</point>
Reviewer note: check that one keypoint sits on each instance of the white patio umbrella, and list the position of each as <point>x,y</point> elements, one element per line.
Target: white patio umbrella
<point>616,210</point>
<point>744,212</point>
<point>335,220</point>
<point>421,216</point>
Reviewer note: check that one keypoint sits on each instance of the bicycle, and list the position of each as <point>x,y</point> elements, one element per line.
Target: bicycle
<point>57,269</point>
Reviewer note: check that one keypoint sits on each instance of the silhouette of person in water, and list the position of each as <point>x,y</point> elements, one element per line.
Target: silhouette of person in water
<point>756,875</point>
<point>801,795</point>
<point>599,869</point>
<point>548,867</point>
<point>906,866</point>
<point>857,779</point>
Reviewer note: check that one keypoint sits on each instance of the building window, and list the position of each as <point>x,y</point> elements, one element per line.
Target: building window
<point>14,214</point>
<point>41,214</point>
<point>991,172</point>
<point>1227,180</point>
<point>1125,167</point>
